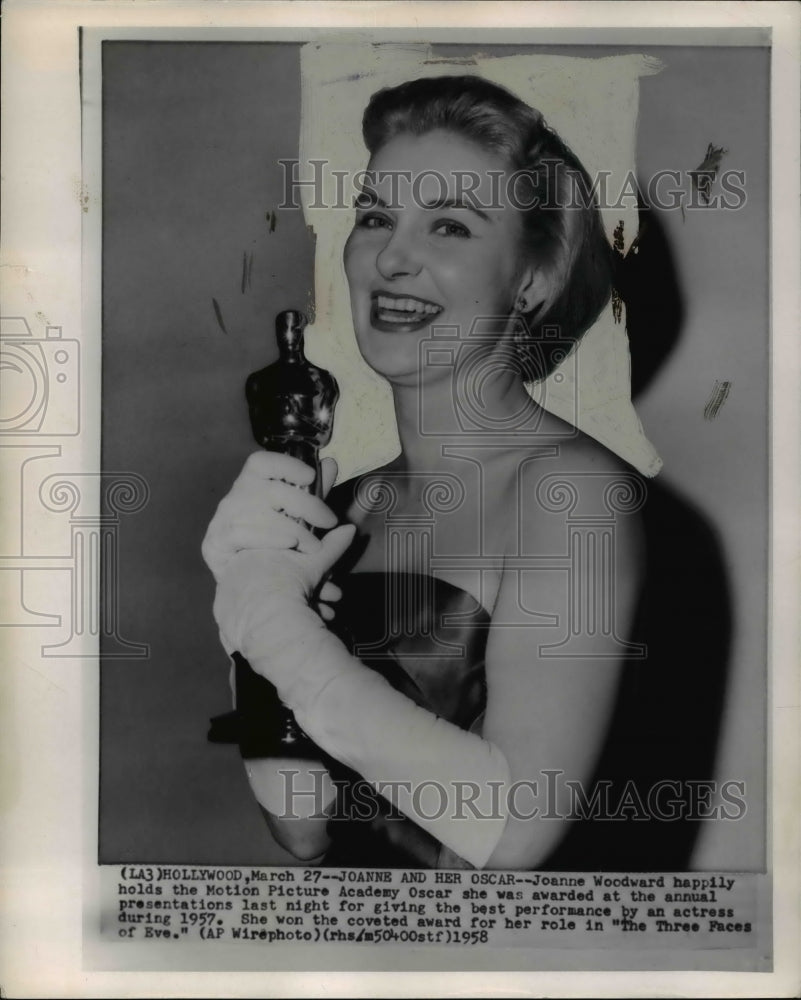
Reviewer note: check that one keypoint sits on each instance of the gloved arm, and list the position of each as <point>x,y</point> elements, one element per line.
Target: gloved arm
<point>266,510</point>
<point>450,782</point>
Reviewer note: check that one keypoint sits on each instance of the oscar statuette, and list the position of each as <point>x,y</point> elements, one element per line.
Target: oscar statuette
<point>291,405</point>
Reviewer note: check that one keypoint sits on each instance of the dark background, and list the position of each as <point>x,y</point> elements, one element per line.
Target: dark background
<point>191,137</point>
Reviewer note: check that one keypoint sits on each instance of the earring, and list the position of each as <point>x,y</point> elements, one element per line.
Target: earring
<point>522,304</point>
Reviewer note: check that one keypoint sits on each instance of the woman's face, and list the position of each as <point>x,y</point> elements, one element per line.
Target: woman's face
<point>420,254</point>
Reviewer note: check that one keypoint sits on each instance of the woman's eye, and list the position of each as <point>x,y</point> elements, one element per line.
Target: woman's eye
<point>450,228</point>
<point>373,220</point>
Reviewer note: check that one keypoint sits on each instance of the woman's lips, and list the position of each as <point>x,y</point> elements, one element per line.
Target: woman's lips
<point>401,313</point>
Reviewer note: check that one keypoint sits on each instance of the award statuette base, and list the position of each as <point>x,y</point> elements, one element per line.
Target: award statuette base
<point>261,724</point>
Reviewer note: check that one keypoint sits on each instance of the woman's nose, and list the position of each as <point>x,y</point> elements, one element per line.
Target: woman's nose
<point>400,256</point>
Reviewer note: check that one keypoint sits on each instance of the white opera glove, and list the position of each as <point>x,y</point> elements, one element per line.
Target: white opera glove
<point>265,510</point>
<point>268,508</point>
<point>262,604</point>
<point>450,782</point>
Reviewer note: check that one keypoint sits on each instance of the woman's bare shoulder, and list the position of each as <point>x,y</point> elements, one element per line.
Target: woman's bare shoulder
<point>562,450</point>
<point>576,479</point>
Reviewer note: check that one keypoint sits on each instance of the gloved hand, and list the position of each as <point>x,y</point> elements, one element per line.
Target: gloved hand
<point>265,510</point>
<point>263,601</point>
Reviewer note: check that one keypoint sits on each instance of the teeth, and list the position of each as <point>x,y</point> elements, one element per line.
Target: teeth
<point>407,305</point>
<point>389,318</point>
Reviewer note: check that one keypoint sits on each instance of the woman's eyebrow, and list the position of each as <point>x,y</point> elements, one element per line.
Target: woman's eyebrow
<point>456,203</point>
<point>367,198</point>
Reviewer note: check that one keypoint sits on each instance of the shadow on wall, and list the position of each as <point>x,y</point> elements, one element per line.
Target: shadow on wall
<point>663,740</point>
<point>668,719</point>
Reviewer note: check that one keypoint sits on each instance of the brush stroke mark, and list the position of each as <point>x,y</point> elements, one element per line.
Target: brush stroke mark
<point>617,246</point>
<point>719,396</point>
<point>703,177</point>
<point>218,314</point>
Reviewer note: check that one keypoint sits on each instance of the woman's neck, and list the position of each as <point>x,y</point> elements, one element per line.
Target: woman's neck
<point>436,413</point>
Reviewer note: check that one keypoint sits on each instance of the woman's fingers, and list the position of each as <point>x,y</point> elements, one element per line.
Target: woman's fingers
<point>272,503</point>
<point>330,592</point>
<point>266,465</point>
<point>269,507</point>
<point>254,490</point>
<point>257,586</point>
<point>287,535</point>
<point>334,545</point>
<point>328,475</point>
<point>293,502</point>
<point>274,531</point>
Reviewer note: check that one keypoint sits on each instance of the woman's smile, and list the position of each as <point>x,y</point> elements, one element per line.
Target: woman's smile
<point>393,313</point>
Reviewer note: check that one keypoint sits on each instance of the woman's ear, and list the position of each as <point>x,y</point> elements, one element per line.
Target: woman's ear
<point>533,291</point>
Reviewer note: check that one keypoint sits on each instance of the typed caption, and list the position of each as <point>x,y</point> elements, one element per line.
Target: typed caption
<point>170,903</point>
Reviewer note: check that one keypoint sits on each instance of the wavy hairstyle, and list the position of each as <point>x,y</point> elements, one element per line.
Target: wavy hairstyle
<point>562,228</point>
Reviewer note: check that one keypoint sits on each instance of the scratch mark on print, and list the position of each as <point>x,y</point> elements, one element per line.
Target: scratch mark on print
<point>247,271</point>
<point>719,395</point>
<point>218,314</point>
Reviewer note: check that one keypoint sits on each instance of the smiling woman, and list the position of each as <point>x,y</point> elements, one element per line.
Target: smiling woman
<point>474,164</point>
<point>467,677</point>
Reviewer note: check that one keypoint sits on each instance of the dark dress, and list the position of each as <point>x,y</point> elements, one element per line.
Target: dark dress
<point>430,644</point>
<point>427,638</point>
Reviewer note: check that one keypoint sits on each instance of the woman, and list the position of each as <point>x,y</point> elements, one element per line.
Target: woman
<point>464,674</point>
